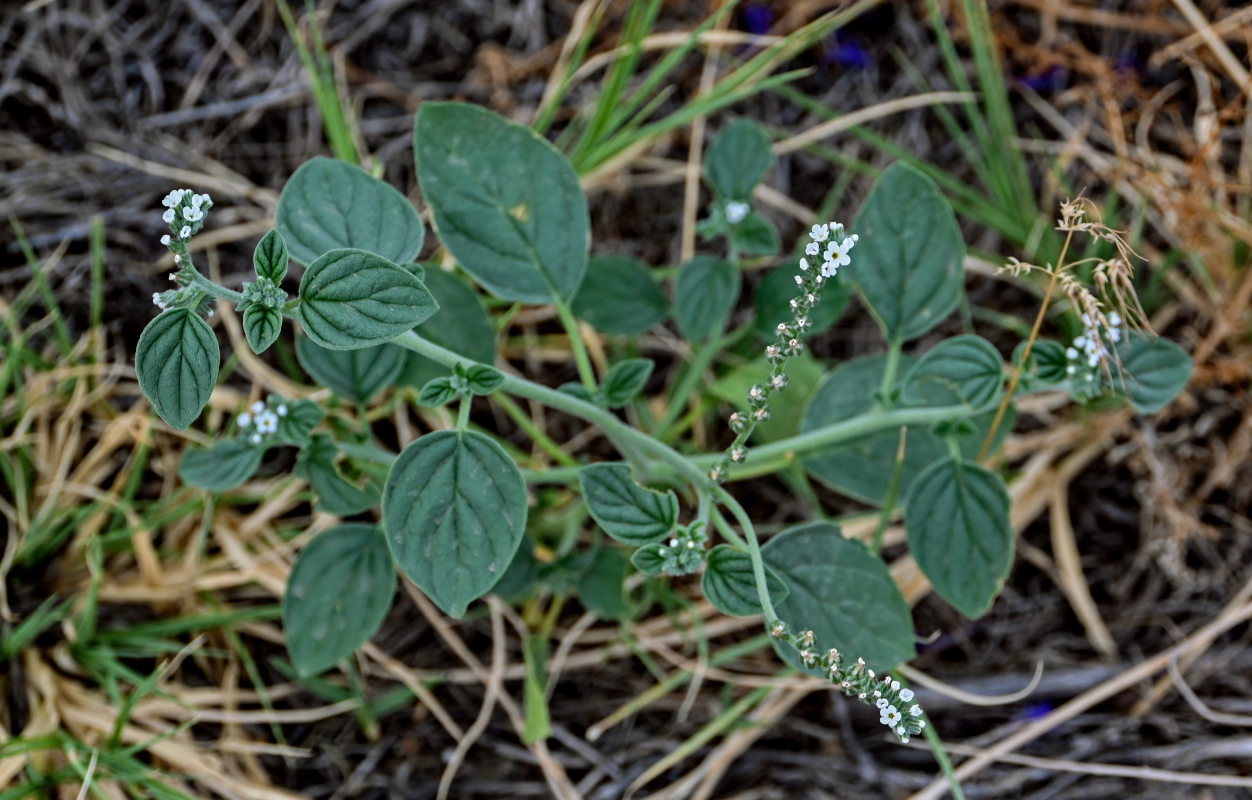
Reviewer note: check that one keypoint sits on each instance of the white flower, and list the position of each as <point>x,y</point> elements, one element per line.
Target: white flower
<point>736,211</point>
<point>895,686</point>
<point>282,410</point>
<point>173,198</point>
<point>256,438</point>
<point>193,214</point>
<point>812,249</point>
<point>266,422</point>
<point>819,233</point>
<point>165,240</point>
<point>185,233</point>
<point>891,717</point>
<point>168,216</point>
<point>799,281</point>
<point>883,703</point>
<point>178,259</point>
<point>916,710</point>
<point>1071,353</point>
<point>258,407</point>
<point>156,299</point>
<point>903,733</point>
<point>906,695</point>
<point>838,254</point>
<point>173,277</point>
<point>804,264</point>
<point>244,419</point>
<point>673,542</point>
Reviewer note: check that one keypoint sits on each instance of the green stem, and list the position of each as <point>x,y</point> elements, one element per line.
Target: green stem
<point>212,289</point>
<point>754,550</point>
<point>769,458</point>
<point>585,372</point>
<point>889,502</point>
<point>462,415</point>
<point>889,369</point>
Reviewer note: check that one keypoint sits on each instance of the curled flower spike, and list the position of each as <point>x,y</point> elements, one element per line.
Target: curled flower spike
<point>787,344</point>
<point>894,703</point>
<point>736,211</point>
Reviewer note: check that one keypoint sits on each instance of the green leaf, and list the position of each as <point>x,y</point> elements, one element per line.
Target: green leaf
<point>626,379</point>
<point>351,299</point>
<point>261,326</point>
<point>483,380</point>
<point>338,593</point>
<point>296,426</point>
<point>437,392</point>
<point>1155,372</point>
<point>1046,366</point>
<point>648,559</point>
<point>270,258</point>
<point>968,365</point>
<point>601,585</point>
<point>862,467</point>
<point>506,203</point>
<point>730,585</point>
<point>329,204</point>
<point>222,466</point>
<point>704,295</point>
<point>625,510</point>
<point>356,375</point>
<point>909,262</point>
<point>756,236</point>
<point>843,593</point>
<point>454,510</point>
<point>176,362</point>
<point>619,296</point>
<point>957,519</point>
<point>737,159</point>
<point>335,494</point>
<point>773,303</point>
<point>471,336</point>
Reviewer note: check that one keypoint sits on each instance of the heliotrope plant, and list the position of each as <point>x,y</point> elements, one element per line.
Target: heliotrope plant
<point>899,431</point>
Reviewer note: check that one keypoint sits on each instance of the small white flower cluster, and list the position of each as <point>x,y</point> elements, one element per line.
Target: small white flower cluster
<point>261,420</point>
<point>838,248</point>
<point>1091,346</point>
<point>184,213</point>
<point>737,211</point>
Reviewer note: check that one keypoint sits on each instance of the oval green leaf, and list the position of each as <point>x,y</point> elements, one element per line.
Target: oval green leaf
<point>730,585</point>
<point>704,294</point>
<point>330,204</point>
<point>625,510</point>
<point>967,365</point>
<point>738,158</point>
<point>625,379</point>
<point>454,510</point>
<point>909,263</point>
<point>843,593</point>
<point>505,201</point>
<point>224,465</point>
<point>601,587</point>
<point>1155,372</point>
<point>261,326</point>
<point>619,296</point>
<point>957,519</point>
<point>756,236</point>
<point>351,299</point>
<point>357,375</point>
<point>270,258</point>
<point>338,593</point>
<point>176,362</point>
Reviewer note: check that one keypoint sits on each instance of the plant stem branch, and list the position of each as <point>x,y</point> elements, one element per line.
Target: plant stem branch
<point>585,372</point>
